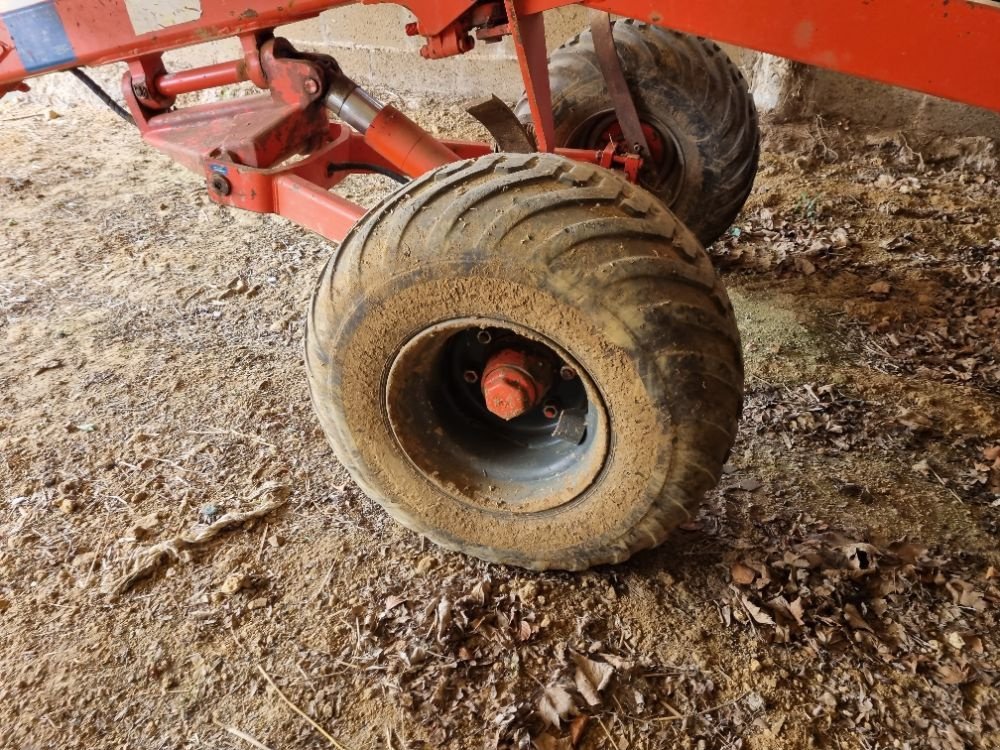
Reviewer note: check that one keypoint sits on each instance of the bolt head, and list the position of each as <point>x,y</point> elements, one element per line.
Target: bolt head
<point>566,372</point>
<point>219,184</point>
<point>311,86</point>
<point>508,393</point>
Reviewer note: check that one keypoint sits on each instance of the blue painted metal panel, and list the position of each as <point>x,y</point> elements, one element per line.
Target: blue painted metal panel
<point>39,36</point>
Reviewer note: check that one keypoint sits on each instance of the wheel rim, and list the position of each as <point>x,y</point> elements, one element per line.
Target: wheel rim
<point>440,419</point>
<point>662,173</point>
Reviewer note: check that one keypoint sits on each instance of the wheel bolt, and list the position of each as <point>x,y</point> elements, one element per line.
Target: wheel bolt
<point>566,372</point>
<point>483,337</point>
<point>550,410</point>
<point>470,376</point>
<point>512,384</point>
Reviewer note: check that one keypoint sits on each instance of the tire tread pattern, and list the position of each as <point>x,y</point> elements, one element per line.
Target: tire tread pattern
<point>692,346</point>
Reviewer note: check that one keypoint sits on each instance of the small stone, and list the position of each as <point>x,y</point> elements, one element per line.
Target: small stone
<point>233,583</point>
<point>527,592</point>
<point>67,505</point>
<point>208,512</point>
<point>145,526</point>
<point>755,665</point>
<point>259,603</point>
<point>4,604</point>
<point>275,541</point>
<point>84,561</point>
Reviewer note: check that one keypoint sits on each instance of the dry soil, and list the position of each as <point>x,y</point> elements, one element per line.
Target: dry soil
<point>839,589</point>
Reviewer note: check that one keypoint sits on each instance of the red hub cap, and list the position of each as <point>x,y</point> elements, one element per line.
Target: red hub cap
<point>514,382</point>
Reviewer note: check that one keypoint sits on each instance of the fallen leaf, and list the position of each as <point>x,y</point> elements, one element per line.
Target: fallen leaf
<point>880,288</point>
<point>524,631</point>
<point>759,615</point>
<point>577,728</point>
<point>741,574</point>
<point>591,678</point>
<point>393,601</point>
<point>555,705</point>
<point>443,618</point>
<point>951,675</point>
<point>854,618</point>
<point>549,742</point>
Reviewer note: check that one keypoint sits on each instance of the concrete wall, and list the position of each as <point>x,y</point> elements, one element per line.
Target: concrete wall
<point>371,46</point>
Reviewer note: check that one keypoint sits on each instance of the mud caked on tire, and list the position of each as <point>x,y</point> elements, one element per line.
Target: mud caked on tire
<point>697,113</point>
<point>573,263</point>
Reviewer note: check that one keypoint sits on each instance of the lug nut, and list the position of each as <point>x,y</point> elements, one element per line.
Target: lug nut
<point>566,372</point>
<point>311,86</point>
<point>219,184</point>
<point>470,376</point>
<point>483,337</point>
<point>550,411</point>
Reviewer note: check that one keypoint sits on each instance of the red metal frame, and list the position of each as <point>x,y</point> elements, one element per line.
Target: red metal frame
<point>280,153</point>
<point>949,48</point>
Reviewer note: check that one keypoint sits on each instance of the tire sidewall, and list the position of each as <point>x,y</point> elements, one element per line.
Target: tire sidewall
<point>592,529</point>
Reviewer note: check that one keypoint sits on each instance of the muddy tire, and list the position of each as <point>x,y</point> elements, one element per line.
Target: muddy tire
<point>571,261</point>
<point>699,117</point>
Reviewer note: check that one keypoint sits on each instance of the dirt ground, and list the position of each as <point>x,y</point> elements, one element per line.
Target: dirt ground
<point>839,590</point>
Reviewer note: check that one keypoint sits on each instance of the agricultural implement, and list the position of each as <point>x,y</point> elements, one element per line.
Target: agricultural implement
<point>523,352</point>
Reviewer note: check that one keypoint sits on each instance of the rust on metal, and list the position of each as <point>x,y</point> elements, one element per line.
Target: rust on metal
<point>515,382</point>
<point>614,79</point>
<point>503,125</point>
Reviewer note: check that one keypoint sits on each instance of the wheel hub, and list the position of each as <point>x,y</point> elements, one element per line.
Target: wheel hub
<point>515,383</point>
<point>497,416</point>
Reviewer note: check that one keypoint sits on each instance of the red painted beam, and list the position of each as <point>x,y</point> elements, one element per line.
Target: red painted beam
<point>949,48</point>
<point>314,208</point>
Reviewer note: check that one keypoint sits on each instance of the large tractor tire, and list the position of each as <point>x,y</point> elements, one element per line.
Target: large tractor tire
<point>583,279</point>
<point>697,114</point>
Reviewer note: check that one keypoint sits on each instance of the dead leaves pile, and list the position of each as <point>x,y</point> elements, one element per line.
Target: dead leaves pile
<point>531,682</point>
<point>833,594</point>
<point>878,622</point>
<point>955,340</point>
<point>816,412</point>
<point>796,244</point>
<point>985,473</point>
<point>445,655</point>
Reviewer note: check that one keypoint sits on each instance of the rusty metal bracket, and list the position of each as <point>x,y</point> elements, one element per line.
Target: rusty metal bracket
<point>503,125</point>
<point>614,78</point>
<point>528,32</point>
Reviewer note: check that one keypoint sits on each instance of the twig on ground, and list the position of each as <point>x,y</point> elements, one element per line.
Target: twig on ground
<point>326,735</point>
<point>607,733</point>
<point>248,738</point>
<point>711,710</point>
<point>167,551</point>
